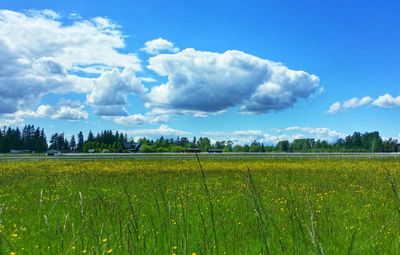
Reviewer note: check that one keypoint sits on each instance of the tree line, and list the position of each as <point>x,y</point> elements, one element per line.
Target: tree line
<point>34,140</point>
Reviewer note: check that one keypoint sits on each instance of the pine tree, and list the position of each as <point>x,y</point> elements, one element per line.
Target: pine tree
<point>53,141</point>
<point>81,142</point>
<point>72,143</point>
<point>43,141</point>
<point>90,137</point>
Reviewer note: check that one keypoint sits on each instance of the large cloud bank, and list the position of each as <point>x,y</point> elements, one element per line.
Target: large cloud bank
<point>41,53</point>
<point>208,82</point>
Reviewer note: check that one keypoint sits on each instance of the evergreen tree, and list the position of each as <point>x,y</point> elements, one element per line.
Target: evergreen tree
<point>90,137</point>
<point>81,142</point>
<point>72,143</point>
<point>43,142</point>
<point>53,141</point>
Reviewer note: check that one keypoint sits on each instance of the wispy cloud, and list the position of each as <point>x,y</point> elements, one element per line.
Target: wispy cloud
<point>384,101</point>
<point>163,130</point>
<point>139,119</point>
<point>11,122</point>
<point>289,133</point>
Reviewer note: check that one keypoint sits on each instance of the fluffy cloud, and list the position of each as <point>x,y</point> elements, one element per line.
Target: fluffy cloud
<point>356,102</point>
<point>140,119</point>
<point>66,109</point>
<point>351,103</point>
<point>335,108</point>
<point>237,137</point>
<point>156,46</point>
<point>163,130</point>
<point>387,100</point>
<point>282,90</point>
<point>318,133</point>
<point>40,54</point>
<point>11,122</point>
<point>290,133</point>
<point>207,82</point>
<point>113,88</point>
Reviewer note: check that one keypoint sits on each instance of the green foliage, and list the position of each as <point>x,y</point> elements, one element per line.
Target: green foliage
<point>29,139</point>
<point>35,140</point>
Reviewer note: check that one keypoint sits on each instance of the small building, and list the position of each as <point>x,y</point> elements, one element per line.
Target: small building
<point>131,147</point>
<point>19,151</point>
<point>192,150</point>
<point>52,153</point>
<point>91,150</point>
<point>215,151</point>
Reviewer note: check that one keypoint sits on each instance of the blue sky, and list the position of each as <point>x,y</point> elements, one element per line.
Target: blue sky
<point>264,70</point>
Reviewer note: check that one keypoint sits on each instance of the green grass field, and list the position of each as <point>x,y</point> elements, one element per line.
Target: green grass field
<point>172,207</point>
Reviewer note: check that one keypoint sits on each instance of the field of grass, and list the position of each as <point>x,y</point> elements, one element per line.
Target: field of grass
<point>172,207</point>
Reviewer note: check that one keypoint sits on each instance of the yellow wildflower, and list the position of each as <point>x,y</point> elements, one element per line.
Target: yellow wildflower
<point>109,250</point>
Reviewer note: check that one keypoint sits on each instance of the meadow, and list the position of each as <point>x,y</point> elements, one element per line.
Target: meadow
<point>281,206</point>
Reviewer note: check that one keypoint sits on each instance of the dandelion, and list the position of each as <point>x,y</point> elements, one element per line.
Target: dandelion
<point>109,250</point>
<point>104,240</point>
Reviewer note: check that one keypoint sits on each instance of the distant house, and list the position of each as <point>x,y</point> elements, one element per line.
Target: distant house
<point>52,153</point>
<point>91,150</point>
<point>131,147</point>
<point>19,151</point>
<point>215,151</point>
<point>192,150</point>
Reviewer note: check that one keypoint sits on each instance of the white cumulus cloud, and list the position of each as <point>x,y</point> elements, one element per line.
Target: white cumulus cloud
<point>42,53</point>
<point>159,45</point>
<point>335,108</point>
<point>237,137</point>
<point>11,122</point>
<point>291,133</point>
<point>350,103</point>
<point>387,100</point>
<point>140,119</point>
<point>357,102</point>
<point>318,133</point>
<point>65,110</point>
<point>207,82</point>
<point>163,130</point>
<point>112,90</point>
